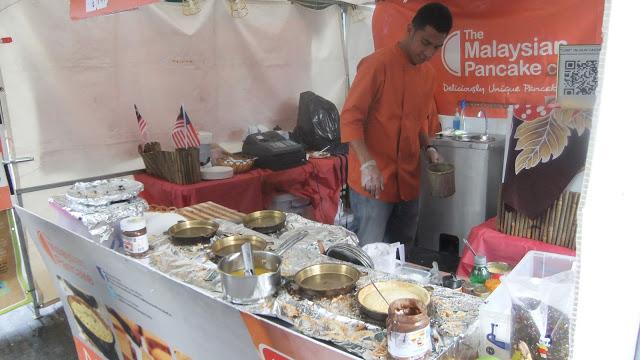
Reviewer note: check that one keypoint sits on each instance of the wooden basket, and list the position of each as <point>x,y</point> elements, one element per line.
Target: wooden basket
<point>179,167</point>
<point>557,226</point>
<point>239,163</point>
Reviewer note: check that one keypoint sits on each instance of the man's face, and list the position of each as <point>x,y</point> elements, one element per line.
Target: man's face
<point>424,43</point>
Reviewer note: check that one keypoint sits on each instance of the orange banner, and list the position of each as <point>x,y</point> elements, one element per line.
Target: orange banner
<point>499,51</point>
<point>84,351</point>
<point>81,9</point>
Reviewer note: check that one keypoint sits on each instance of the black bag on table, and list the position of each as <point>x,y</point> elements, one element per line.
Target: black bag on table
<point>318,125</point>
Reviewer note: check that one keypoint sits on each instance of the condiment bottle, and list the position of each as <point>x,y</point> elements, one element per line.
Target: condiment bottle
<point>408,331</point>
<point>134,236</point>
<point>480,273</point>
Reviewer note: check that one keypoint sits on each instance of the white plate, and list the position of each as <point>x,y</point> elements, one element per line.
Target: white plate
<point>158,223</point>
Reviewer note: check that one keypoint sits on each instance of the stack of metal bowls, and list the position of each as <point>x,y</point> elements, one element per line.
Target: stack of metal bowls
<point>351,253</point>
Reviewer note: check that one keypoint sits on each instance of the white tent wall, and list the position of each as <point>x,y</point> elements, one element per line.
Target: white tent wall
<point>71,86</point>
<point>359,36</point>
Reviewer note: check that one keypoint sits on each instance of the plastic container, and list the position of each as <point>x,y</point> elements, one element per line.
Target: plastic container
<point>538,264</point>
<point>290,203</point>
<point>495,315</point>
<point>384,256</point>
<point>456,120</point>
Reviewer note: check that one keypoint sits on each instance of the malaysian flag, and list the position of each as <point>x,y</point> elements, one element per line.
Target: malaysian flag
<point>184,134</point>
<point>142,126</point>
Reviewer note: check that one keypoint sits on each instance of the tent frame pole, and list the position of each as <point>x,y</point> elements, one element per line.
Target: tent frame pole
<point>344,9</point>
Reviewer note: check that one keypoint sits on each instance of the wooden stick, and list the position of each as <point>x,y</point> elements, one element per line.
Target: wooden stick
<point>540,225</point>
<point>521,224</point>
<point>571,215</point>
<point>552,217</point>
<point>529,228</point>
<point>558,241</point>
<point>569,219</point>
<point>545,223</point>
<point>565,219</point>
<point>500,209</point>
<point>507,218</point>
<point>563,216</point>
<point>573,219</point>
<point>556,222</point>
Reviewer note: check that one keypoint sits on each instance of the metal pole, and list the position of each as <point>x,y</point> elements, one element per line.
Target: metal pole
<point>345,53</point>
<point>7,155</point>
<point>27,265</point>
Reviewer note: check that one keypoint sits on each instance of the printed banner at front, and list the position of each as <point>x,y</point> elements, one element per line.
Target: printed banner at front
<point>121,309</point>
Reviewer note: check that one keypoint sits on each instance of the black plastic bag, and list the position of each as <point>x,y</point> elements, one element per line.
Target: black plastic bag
<point>318,125</point>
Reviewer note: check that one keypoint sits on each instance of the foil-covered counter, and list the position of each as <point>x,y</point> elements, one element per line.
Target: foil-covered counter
<point>337,319</point>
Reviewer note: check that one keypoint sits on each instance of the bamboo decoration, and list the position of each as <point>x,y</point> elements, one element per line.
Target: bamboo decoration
<point>557,225</point>
<point>180,167</point>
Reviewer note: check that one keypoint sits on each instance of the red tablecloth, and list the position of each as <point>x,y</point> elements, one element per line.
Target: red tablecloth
<point>485,239</point>
<point>319,180</point>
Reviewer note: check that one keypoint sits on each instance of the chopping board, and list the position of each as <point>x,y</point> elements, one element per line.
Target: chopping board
<point>209,210</point>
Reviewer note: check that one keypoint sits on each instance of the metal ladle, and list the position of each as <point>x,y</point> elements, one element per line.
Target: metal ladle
<point>247,257</point>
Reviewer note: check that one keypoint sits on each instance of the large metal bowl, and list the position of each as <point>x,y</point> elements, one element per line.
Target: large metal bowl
<point>253,288</point>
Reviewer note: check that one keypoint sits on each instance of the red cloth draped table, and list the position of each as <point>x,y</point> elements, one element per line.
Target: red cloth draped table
<point>319,180</point>
<point>486,240</point>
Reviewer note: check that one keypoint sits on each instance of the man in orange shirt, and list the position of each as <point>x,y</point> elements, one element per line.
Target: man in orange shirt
<point>385,120</point>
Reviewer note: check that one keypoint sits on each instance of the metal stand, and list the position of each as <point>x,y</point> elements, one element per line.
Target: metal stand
<point>31,290</point>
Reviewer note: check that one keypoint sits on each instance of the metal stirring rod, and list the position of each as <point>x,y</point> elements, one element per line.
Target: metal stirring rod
<point>469,246</point>
<point>379,292</point>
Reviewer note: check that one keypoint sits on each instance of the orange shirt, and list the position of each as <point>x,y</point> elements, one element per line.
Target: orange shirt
<point>388,105</point>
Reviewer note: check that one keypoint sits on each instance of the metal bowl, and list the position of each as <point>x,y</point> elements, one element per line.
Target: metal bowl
<point>193,232</point>
<point>252,288</point>
<point>325,280</point>
<point>265,221</point>
<point>498,268</point>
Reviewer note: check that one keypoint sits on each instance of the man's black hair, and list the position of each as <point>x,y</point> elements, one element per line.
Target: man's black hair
<point>435,15</point>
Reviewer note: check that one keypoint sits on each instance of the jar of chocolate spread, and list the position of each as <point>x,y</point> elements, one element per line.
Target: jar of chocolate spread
<point>408,330</point>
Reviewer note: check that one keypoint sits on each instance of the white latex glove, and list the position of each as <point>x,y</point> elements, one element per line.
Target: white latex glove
<point>371,178</point>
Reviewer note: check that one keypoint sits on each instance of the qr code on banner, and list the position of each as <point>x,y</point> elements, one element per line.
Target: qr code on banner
<point>580,77</point>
